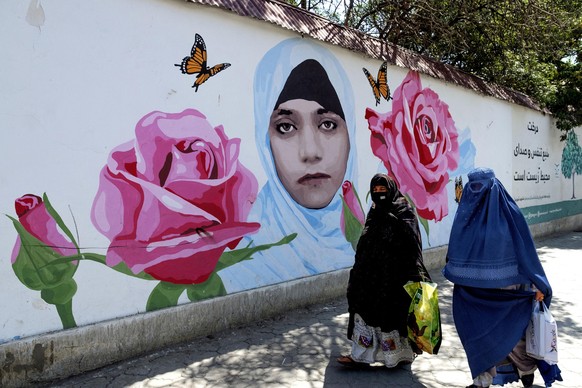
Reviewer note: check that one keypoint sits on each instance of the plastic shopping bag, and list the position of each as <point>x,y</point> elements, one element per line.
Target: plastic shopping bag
<point>541,336</point>
<point>424,318</point>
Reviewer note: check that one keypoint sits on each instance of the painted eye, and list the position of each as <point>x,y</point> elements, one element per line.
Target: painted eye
<point>285,127</point>
<point>328,125</point>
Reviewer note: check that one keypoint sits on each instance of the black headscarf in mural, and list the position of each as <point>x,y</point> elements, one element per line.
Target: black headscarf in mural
<point>309,81</point>
<point>388,255</point>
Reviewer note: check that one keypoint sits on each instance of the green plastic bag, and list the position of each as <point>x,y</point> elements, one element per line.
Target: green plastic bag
<point>424,318</point>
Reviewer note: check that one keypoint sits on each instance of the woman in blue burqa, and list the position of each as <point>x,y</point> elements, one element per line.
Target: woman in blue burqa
<point>388,255</point>
<point>493,263</point>
<point>304,132</point>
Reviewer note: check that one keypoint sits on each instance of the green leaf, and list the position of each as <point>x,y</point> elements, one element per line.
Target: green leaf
<point>53,213</point>
<point>211,288</point>
<point>121,267</point>
<point>38,266</point>
<point>424,224</point>
<point>353,227</point>
<point>232,257</point>
<point>164,295</point>
<point>61,294</point>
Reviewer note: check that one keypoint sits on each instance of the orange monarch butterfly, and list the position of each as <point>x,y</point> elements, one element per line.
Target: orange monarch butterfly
<point>458,189</point>
<point>196,63</point>
<point>380,86</point>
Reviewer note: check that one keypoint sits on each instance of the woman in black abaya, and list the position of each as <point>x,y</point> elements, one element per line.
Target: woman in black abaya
<point>388,255</point>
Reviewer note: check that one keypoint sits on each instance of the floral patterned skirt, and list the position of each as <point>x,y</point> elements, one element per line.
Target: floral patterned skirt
<point>370,345</point>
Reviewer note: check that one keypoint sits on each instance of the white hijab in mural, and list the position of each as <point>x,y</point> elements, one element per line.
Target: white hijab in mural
<point>320,245</point>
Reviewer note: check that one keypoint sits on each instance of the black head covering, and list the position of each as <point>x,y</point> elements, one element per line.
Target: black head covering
<point>309,81</point>
<point>387,198</point>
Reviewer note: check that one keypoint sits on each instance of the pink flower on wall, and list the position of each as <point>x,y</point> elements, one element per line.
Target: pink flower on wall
<point>417,142</point>
<point>34,217</point>
<point>45,256</point>
<point>175,198</point>
<point>353,204</point>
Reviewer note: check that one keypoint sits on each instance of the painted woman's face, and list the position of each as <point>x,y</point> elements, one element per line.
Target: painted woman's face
<point>310,146</point>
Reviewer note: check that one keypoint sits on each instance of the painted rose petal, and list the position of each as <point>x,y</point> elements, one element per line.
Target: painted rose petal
<point>141,255</point>
<point>180,177</point>
<point>417,142</point>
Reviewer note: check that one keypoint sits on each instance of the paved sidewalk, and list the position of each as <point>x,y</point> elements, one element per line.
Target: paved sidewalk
<point>300,348</point>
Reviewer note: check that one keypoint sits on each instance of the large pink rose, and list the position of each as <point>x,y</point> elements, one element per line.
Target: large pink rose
<point>34,217</point>
<point>417,142</point>
<point>172,200</point>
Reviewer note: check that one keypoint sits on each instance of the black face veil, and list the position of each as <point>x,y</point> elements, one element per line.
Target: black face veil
<point>309,81</point>
<point>388,197</point>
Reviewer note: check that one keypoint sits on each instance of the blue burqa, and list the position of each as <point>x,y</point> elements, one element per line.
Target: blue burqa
<point>490,248</point>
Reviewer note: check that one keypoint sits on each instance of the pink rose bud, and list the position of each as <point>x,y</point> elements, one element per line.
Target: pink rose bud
<point>34,217</point>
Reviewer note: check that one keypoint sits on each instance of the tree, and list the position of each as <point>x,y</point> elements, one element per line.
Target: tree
<point>572,159</point>
<point>519,44</point>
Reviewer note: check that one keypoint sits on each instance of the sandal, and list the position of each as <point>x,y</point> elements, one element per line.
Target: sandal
<point>349,361</point>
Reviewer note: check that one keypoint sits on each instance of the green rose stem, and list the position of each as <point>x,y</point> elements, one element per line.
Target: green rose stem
<point>66,314</point>
<point>62,297</point>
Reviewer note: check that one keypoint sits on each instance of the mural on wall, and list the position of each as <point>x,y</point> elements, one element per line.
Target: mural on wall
<point>418,144</point>
<point>305,135</point>
<point>171,202</point>
<point>180,209</point>
<point>380,84</point>
<point>196,63</point>
<point>572,159</point>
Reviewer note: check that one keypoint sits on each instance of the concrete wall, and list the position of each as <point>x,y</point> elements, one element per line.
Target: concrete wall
<point>107,248</point>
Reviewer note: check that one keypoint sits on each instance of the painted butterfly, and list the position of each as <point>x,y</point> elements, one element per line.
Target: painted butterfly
<point>458,188</point>
<point>379,86</point>
<point>196,63</point>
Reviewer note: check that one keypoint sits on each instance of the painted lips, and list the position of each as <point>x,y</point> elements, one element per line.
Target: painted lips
<point>312,178</point>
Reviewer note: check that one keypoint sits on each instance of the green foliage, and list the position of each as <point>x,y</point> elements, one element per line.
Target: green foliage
<point>566,103</point>
<point>519,44</point>
<point>572,156</point>
<point>572,159</point>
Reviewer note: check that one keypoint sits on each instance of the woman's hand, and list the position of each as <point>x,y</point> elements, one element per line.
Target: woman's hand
<point>539,296</point>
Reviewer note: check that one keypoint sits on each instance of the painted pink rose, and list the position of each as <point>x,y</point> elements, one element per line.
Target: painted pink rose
<point>34,217</point>
<point>417,142</point>
<point>175,198</point>
<point>353,204</point>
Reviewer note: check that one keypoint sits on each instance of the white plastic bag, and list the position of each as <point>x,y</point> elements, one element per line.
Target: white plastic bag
<point>541,337</point>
